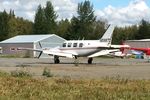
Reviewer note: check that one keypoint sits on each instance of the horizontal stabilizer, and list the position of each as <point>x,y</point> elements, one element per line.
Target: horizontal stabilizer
<point>120,46</point>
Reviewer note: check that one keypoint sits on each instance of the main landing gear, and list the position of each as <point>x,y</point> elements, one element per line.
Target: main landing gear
<point>56,59</point>
<point>90,60</point>
<point>76,62</point>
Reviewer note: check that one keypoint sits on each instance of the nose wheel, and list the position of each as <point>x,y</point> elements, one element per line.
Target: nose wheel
<point>90,60</point>
<point>56,60</point>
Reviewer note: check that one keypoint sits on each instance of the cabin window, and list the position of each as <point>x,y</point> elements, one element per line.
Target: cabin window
<point>64,45</point>
<point>69,44</point>
<point>81,45</point>
<point>75,45</point>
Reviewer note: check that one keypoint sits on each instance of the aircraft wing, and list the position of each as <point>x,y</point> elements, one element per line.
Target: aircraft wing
<point>103,52</point>
<point>52,51</point>
<point>59,53</point>
<point>38,50</point>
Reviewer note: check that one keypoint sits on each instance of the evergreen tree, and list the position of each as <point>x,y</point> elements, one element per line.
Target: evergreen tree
<point>51,16</point>
<point>74,31</point>
<point>40,21</point>
<point>63,28</point>
<point>45,20</point>
<point>11,13</point>
<point>144,30</point>
<point>86,12</point>
<point>99,29</point>
<point>124,33</point>
<point>4,18</point>
<point>19,26</point>
<point>82,25</point>
<point>11,26</point>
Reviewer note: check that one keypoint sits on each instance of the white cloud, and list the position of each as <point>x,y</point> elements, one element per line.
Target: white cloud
<point>65,8</point>
<point>132,14</point>
<point>27,8</point>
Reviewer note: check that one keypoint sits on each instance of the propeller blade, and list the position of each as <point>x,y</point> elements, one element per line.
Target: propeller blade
<point>40,54</point>
<point>40,45</point>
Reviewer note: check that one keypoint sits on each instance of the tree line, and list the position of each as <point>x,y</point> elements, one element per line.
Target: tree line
<point>83,26</point>
<point>10,25</point>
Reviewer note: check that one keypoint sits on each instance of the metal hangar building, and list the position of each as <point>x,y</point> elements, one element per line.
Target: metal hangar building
<point>143,43</point>
<point>10,46</point>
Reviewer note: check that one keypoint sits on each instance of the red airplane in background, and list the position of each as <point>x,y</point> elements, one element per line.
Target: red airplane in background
<point>144,50</point>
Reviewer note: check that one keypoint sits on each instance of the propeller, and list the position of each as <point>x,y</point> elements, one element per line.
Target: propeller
<point>40,54</point>
<point>41,51</point>
<point>40,45</point>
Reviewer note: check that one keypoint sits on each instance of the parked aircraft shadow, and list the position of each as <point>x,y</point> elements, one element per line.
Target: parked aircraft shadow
<point>69,63</point>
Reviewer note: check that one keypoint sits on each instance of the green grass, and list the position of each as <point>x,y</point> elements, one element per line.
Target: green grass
<point>22,88</point>
<point>8,56</point>
<point>20,73</point>
<point>47,72</point>
<point>3,74</point>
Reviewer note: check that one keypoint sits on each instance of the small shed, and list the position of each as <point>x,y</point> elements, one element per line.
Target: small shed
<point>10,46</point>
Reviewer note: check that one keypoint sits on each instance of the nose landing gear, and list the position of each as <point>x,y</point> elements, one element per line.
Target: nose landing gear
<point>90,60</point>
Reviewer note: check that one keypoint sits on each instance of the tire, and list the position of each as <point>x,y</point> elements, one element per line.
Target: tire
<point>56,60</point>
<point>90,60</point>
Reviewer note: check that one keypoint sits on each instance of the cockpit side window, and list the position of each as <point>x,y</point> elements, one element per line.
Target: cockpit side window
<point>69,44</point>
<point>75,44</point>
<point>64,45</point>
<point>81,45</point>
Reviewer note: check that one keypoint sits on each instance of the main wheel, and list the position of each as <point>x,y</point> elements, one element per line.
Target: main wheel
<point>90,60</point>
<point>56,60</point>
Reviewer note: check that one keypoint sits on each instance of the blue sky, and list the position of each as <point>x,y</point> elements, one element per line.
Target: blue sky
<point>119,12</point>
<point>100,4</point>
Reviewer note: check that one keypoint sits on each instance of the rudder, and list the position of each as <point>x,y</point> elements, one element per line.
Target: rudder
<point>107,37</point>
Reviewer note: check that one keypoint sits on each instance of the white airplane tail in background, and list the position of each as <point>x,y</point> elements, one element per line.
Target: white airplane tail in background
<point>107,37</point>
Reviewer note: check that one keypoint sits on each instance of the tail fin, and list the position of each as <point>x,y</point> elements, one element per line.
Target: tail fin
<point>107,37</point>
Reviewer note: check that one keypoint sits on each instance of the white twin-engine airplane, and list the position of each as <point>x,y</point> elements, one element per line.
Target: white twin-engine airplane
<point>83,48</point>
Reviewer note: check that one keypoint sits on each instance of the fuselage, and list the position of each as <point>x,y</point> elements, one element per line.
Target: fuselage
<point>83,47</point>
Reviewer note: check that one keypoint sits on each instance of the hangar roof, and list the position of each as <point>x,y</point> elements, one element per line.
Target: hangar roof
<point>142,40</point>
<point>28,38</point>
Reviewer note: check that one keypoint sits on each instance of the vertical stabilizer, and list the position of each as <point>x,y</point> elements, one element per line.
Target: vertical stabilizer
<point>107,37</point>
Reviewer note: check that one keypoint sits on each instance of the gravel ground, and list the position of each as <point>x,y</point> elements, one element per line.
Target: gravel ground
<point>101,67</point>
